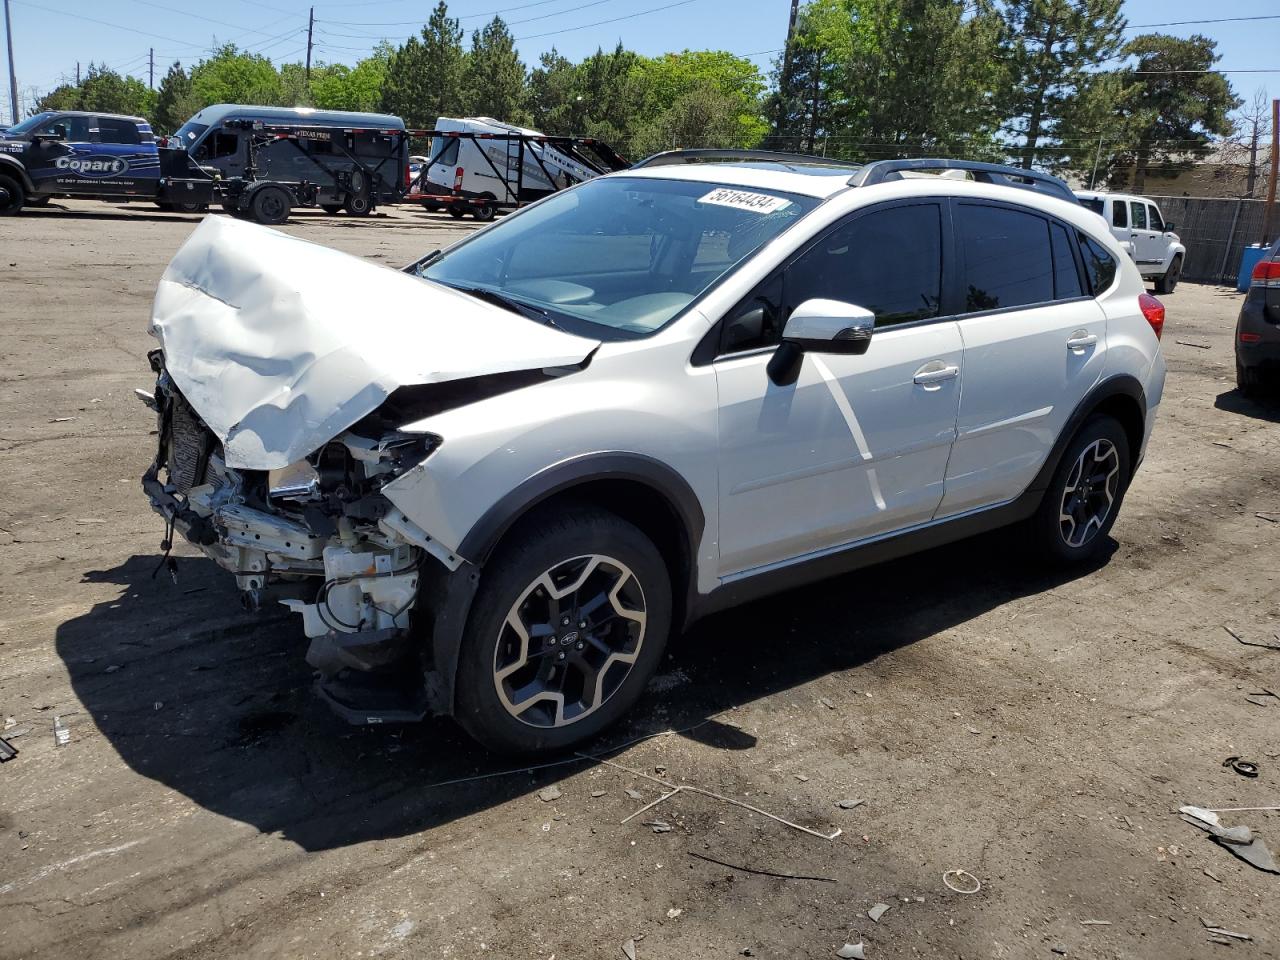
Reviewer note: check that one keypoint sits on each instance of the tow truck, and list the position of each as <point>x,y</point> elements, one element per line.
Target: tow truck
<point>74,153</point>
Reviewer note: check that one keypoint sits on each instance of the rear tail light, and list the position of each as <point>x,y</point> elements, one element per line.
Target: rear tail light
<point>408,176</point>
<point>457,180</point>
<point>1267,274</point>
<point>1153,310</point>
<point>1250,337</point>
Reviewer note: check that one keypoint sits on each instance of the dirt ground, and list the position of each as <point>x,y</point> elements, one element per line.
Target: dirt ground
<point>1037,731</point>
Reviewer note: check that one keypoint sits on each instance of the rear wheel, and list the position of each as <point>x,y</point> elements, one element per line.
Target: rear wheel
<point>483,211</point>
<point>12,196</point>
<point>331,208</point>
<point>1247,381</point>
<point>271,205</point>
<point>567,628</point>
<point>190,207</point>
<point>1169,280</point>
<point>1084,496</point>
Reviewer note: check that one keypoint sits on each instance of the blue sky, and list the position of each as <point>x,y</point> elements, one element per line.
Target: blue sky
<point>51,35</point>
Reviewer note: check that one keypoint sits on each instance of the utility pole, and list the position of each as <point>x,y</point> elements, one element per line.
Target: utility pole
<point>1093,177</point>
<point>1269,213</point>
<point>151,68</point>
<point>785,80</point>
<point>77,73</point>
<point>1252,181</point>
<point>311,26</point>
<point>13,76</point>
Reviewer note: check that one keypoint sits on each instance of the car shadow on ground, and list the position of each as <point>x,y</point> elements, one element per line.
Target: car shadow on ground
<point>216,703</point>
<point>1260,408</point>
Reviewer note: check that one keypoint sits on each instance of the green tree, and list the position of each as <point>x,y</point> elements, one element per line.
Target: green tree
<point>702,115</point>
<point>895,77</point>
<point>423,79</point>
<point>553,93</point>
<point>102,90</point>
<point>174,101</point>
<point>235,76</point>
<point>65,96</point>
<point>724,90</point>
<point>353,88</point>
<point>1053,48</point>
<point>495,77</point>
<point>1157,117</point>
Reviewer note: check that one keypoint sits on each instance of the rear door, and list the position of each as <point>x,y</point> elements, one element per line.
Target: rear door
<point>1148,246</point>
<point>129,160</point>
<point>1034,343</point>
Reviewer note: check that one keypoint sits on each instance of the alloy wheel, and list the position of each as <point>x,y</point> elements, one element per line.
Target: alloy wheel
<point>569,641</point>
<point>1090,493</point>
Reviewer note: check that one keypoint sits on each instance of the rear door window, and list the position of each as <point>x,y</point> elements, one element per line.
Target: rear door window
<point>111,130</point>
<point>1066,276</point>
<point>1119,214</point>
<point>1139,211</point>
<point>1008,260</point>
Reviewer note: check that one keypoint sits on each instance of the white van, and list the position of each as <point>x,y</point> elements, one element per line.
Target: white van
<point>1144,234</point>
<point>499,171</point>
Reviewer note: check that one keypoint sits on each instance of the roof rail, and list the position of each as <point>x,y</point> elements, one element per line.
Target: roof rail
<point>673,157</point>
<point>995,173</point>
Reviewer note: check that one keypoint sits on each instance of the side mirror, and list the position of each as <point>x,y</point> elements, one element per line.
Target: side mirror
<point>1169,226</point>
<point>820,326</point>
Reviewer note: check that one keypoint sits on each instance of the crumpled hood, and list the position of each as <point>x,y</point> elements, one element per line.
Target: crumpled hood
<point>280,344</point>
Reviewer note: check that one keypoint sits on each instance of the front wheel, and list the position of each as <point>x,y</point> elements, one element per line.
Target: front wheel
<point>1084,496</point>
<point>484,212</point>
<point>1169,279</point>
<point>12,196</point>
<point>359,205</point>
<point>271,205</point>
<point>567,628</point>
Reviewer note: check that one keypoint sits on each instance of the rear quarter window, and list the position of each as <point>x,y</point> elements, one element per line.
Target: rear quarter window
<point>1099,266</point>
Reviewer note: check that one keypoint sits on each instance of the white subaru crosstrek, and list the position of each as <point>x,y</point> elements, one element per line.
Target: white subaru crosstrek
<point>501,478</point>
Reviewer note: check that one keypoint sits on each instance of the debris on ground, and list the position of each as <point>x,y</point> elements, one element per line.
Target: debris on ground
<point>1211,875</point>
<point>849,804</point>
<point>1059,949</point>
<point>878,911</point>
<point>629,949</point>
<point>1218,931</point>
<point>673,913</point>
<point>7,750</point>
<point>1239,840</point>
<point>1269,517</point>
<point>961,875</point>
<point>61,733</point>
<point>549,794</point>
<point>658,826</point>
<point>826,703</point>
<point>634,794</point>
<point>1246,768</point>
<point>598,793</point>
<point>851,951</point>
<point>1188,343</point>
<point>802,778</point>
<point>760,872</point>
<point>1252,643</point>
<point>1095,923</point>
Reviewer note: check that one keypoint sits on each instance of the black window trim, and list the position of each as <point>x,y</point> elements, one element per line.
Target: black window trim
<point>708,349</point>
<point>1081,274</point>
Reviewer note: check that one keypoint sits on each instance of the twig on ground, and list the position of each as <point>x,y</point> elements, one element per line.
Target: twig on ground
<point>763,873</point>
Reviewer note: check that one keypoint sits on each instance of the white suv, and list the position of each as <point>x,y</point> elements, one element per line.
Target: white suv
<point>509,472</point>
<point>1143,233</point>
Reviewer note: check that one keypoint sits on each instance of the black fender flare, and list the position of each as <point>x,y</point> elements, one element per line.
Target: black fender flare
<point>12,167</point>
<point>452,599</point>
<point>1119,385</point>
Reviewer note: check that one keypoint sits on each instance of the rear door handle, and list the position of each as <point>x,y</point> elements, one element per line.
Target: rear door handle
<point>1080,340</point>
<point>935,371</point>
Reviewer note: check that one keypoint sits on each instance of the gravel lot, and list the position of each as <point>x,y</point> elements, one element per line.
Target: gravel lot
<point>1038,731</point>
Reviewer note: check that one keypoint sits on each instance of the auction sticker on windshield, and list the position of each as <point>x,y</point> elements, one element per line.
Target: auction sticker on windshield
<point>744,200</point>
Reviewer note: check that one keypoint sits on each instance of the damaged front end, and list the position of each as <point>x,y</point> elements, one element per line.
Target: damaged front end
<point>319,527</point>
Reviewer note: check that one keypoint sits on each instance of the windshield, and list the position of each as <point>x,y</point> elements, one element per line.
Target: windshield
<point>626,254</point>
<point>189,132</point>
<point>1093,203</point>
<point>29,124</point>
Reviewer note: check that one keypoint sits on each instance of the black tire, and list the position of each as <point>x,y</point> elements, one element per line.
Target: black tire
<point>190,207</point>
<point>1169,280</point>
<point>1248,383</point>
<point>359,205</point>
<point>271,205</point>
<point>331,208</point>
<point>484,212</point>
<point>165,206</point>
<point>456,212</point>
<point>1075,539</point>
<point>14,196</point>
<point>549,543</point>
<point>231,207</point>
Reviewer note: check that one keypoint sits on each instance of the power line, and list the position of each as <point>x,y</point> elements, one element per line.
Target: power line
<point>105,23</point>
<point>601,23</point>
<point>419,22</point>
<point>196,16</point>
<point>1188,23</point>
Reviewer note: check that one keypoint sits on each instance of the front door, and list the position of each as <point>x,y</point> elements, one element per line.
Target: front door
<point>858,445</point>
<point>65,165</point>
<point>1034,344</point>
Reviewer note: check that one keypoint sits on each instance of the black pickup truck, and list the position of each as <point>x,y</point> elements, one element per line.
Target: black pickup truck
<point>71,153</point>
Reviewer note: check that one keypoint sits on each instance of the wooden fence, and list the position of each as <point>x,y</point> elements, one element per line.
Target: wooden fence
<point>1215,232</point>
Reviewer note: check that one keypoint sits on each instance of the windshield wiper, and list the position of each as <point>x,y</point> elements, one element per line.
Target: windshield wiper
<point>508,303</point>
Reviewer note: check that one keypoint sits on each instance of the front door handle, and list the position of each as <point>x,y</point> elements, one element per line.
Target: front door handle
<point>1080,339</point>
<point>935,372</point>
